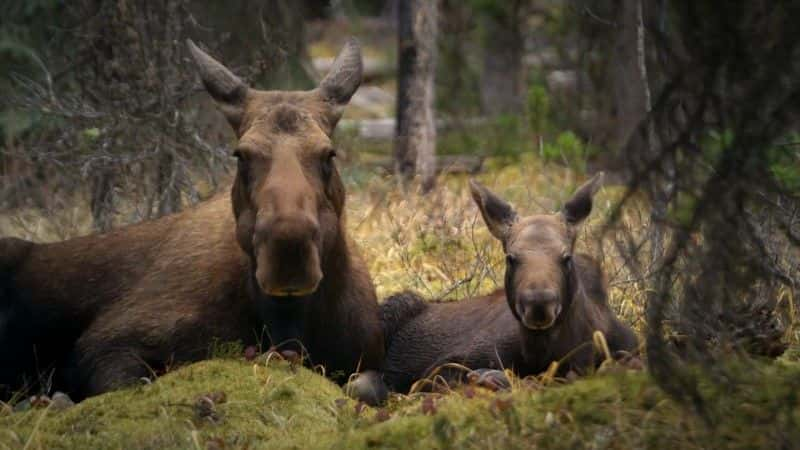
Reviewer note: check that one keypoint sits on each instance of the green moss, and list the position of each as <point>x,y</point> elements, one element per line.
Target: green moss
<point>281,407</point>
<point>264,407</point>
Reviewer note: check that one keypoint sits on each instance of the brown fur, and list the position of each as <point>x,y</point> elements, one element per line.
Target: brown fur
<point>494,331</point>
<point>102,311</point>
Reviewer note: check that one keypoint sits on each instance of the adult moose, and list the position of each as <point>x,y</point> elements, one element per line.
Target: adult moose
<point>552,304</point>
<point>105,310</point>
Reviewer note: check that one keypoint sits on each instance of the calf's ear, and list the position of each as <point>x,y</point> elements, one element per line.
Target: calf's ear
<point>497,213</point>
<point>580,205</point>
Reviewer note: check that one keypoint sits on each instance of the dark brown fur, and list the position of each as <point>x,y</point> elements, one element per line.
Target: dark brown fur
<point>489,332</point>
<point>102,311</point>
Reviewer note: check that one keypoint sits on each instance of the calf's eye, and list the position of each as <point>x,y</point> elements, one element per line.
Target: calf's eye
<point>242,169</point>
<point>511,260</point>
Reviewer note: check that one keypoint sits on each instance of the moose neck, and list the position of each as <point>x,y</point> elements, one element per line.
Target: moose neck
<point>285,320</point>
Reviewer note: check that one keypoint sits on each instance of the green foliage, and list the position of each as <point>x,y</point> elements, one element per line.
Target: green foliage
<point>569,149</point>
<point>26,28</point>
<point>782,159</point>
<point>504,136</point>
<point>683,208</point>
<point>784,164</point>
<point>715,144</point>
<point>508,136</point>
<point>225,350</point>
<point>538,109</point>
<point>497,9</point>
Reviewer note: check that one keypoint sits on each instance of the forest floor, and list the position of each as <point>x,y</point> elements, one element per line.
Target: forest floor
<point>227,403</point>
<point>438,246</point>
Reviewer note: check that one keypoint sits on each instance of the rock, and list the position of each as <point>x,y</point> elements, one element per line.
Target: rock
<point>22,406</point>
<point>61,401</point>
<point>367,387</point>
<point>250,353</point>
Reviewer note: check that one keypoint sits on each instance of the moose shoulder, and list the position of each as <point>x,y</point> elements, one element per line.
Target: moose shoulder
<point>269,264</point>
<point>552,303</point>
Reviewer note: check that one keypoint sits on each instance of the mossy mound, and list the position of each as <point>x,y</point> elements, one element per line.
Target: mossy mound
<point>276,406</point>
<point>622,410</point>
<point>230,403</point>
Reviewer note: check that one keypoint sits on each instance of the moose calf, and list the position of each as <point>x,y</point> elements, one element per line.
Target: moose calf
<point>552,304</point>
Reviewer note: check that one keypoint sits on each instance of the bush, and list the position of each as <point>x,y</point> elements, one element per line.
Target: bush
<point>569,149</point>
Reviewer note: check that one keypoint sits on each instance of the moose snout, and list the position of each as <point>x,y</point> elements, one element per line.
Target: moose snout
<point>538,308</point>
<point>288,257</point>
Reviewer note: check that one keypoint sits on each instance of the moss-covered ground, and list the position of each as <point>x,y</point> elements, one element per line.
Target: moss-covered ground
<point>230,403</point>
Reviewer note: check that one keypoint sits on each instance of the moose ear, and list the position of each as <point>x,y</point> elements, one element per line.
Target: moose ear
<point>498,215</point>
<point>580,205</point>
<point>344,76</point>
<point>227,89</point>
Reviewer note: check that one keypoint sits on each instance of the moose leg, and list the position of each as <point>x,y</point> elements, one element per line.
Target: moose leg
<point>621,339</point>
<point>111,371</point>
<point>445,377</point>
<point>101,363</point>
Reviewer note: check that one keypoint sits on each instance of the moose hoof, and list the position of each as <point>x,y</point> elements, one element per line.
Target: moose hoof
<point>367,387</point>
<point>495,380</point>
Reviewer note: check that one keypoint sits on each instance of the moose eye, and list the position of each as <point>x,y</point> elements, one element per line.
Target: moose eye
<point>511,260</point>
<point>242,169</point>
<point>327,163</point>
<point>566,259</point>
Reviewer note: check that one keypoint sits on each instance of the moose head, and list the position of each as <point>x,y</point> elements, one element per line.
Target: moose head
<point>287,196</point>
<point>540,276</point>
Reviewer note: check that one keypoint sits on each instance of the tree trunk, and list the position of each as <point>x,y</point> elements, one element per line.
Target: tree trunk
<point>102,200</point>
<point>632,94</point>
<point>631,91</point>
<point>168,194</point>
<point>415,141</point>
<point>502,83</point>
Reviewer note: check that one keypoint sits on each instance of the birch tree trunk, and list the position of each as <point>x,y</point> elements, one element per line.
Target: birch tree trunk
<point>632,93</point>
<point>415,135</point>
